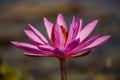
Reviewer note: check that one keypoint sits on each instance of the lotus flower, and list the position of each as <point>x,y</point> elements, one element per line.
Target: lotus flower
<point>62,43</point>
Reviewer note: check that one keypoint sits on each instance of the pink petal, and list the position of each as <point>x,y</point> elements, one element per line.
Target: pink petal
<point>59,38</point>
<point>90,41</point>
<point>84,53</point>
<point>85,32</point>
<point>48,26</point>
<point>61,21</point>
<point>34,55</point>
<point>33,37</point>
<point>83,45</point>
<point>73,20</point>
<point>72,45</point>
<point>71,31</point>
<point>70,35</point>
<point>77,28</point>
<point>80,21</point>
<point>46,48</point>
<point>73,26</point>
<point>98,42</point>
<point>28,47</point>
<point>55,51</point>
<point>41,37</point>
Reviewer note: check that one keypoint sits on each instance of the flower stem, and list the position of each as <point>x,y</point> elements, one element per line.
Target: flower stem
<point>63,69</point>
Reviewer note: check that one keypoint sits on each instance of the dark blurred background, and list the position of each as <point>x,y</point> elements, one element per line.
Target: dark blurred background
<point>101,64</point>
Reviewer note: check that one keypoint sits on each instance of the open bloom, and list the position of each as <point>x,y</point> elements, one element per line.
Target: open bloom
<point>61,43</point>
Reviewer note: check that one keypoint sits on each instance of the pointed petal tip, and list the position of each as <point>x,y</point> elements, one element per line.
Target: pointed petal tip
<point>45,19</point>
<point>96,21</point>
<point>47,22</point>
<point>73,20</point>
<point>107,37</point>
<point>49,26</point>
<point>99,41</point>
<point>61,21</point>
<point>81,19</point>
<point>73,16</point>
<point>60,17</point>
<point>30,26</point>
<point>15,43</point>
<point>26,31</point>
<point>102,40</point>
<point>60,14</point>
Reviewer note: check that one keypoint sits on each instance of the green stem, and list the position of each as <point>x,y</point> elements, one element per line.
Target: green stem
<point>63,69</point>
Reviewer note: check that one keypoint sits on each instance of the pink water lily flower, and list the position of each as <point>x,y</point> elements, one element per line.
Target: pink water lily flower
<point>62,44</point>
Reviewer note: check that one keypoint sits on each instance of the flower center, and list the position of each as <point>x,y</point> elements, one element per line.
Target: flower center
<point>58,51</point>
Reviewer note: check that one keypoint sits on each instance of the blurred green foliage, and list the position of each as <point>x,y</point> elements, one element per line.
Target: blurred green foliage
<point>9,73</point>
